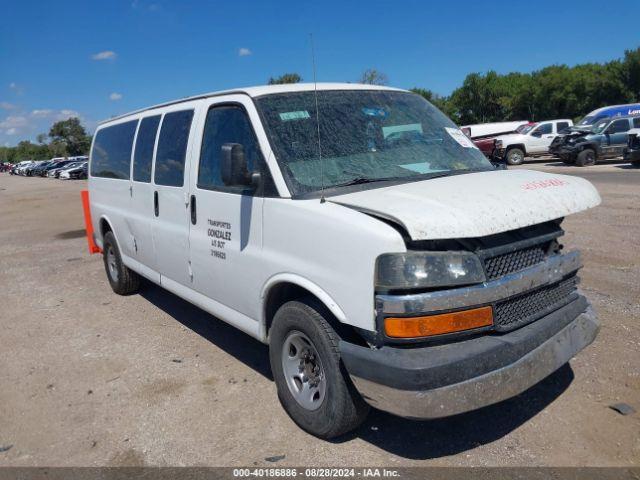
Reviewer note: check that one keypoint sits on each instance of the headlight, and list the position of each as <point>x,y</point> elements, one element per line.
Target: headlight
<point>427,269</point>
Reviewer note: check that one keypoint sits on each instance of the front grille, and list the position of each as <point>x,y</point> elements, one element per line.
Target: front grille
<point>500,265</point>
<point>528,307</point>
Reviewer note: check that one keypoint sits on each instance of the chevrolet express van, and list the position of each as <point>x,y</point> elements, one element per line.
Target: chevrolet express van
<point>359,233</point>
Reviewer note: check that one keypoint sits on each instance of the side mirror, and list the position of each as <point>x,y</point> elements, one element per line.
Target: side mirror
<point>234,169</point>
<point>536,133</point>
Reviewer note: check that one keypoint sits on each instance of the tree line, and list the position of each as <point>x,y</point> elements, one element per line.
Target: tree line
<point>557,91</point>
<point>66,138</point>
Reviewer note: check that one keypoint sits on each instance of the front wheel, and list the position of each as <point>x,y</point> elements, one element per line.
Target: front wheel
<point>313,387</point>
<point>515,156</point>
<point>586,158</point>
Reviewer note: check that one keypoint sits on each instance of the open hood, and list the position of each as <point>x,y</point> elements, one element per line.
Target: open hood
<point>475,204</point>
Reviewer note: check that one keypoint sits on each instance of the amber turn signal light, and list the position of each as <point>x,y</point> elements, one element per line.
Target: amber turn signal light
<point>427,326</point>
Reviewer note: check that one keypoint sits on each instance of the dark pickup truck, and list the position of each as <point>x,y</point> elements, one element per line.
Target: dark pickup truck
<point>585,145</point>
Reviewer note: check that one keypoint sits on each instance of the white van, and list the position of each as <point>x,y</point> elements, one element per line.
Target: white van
<point>368,242</point>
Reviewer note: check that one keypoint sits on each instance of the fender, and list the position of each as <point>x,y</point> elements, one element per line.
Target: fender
<point>305,283</point>
<point>99,237</point>
<point>521,146</point>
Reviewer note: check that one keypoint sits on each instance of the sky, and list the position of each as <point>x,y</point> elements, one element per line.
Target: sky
<point>97,59</point>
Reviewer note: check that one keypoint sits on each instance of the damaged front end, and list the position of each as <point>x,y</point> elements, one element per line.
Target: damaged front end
<point>540,320</point>
<point>568,146</point>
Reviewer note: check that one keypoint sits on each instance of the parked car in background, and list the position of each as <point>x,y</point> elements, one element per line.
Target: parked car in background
<point>585,145</point>
<point>491,129</point>
<point>35,170</point>
<point>74,173</point>
<point>23,166</point>
<point>604,113</point>
<point>55,173</point>
<point>55,165</point>
<point>632,152</point>
<point>531,141</point>
<point>484,135</point>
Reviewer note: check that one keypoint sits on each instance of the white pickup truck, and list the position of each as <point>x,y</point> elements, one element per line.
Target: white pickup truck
<point>532,141</point>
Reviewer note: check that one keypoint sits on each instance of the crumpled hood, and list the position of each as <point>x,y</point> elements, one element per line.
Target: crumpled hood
<point>475,204</point>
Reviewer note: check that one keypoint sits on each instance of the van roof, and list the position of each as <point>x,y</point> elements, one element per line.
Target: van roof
<point>612,107</point>
<point>261,90</point>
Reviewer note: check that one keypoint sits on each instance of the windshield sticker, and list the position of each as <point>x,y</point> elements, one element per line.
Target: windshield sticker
<point>412,127</point>
<point>375,112</point>
<point>460,137</point>
<point>299,115</point>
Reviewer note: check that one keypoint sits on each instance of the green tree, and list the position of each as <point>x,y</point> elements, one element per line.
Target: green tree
<point>285,78</point>
<point>372,76</point>
<point>68,137</point>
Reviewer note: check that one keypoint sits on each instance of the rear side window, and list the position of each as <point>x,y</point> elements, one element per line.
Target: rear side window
<point>636,122</point>
<point>561,126</point>
<point>618,126</point>
<point>111,154</point>
<point>225,124</point>
<point>172,148</point>
<point>143,155</point>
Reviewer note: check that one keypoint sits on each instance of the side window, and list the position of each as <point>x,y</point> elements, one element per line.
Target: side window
<point>618,126</point>
<point>143,155</point>
<point>544,129</point>
<point>636,122</point>
<point>225,124</point>
<point>111,153</point>
<point>172,148</point>
<point>561,126</point>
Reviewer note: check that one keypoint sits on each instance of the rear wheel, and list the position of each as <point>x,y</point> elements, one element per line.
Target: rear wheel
<point>312,385</point>
<point>515,156</point>
<point>636,163</point>
<point>122,279</point>
<point>586,158</point>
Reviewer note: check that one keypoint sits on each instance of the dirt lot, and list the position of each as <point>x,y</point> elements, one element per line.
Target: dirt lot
<point>91,378</point>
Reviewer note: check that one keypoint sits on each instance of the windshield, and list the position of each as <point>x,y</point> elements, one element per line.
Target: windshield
<point>591,119</point>
<point>600,126</point>
<point>366,136</point>
<point>523,129</point>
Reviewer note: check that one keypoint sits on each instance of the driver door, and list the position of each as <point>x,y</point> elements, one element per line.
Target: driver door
<point>616,137</point>
<point>541,138</point>
<point>226,220</point>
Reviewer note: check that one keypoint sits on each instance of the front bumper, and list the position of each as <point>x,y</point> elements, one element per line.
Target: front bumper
<point>564,150</point>
<point>442,380</point>
<point>632,155</point>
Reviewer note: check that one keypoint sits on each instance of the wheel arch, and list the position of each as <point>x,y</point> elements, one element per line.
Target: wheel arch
<point>284,287</point>
<point>106,225</point>
<point>521,146</point>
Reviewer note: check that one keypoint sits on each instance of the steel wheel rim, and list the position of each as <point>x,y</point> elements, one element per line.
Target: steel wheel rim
<point>111,264</point>
<point>303,371</point>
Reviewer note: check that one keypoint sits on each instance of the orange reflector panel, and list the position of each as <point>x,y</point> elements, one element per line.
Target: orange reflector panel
<point>438,324</point>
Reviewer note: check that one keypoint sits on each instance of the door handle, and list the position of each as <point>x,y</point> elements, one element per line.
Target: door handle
<point>194,217</point>
<point>156,207</point>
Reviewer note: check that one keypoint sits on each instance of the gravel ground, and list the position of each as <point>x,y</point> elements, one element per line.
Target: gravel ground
<point>88,378</point>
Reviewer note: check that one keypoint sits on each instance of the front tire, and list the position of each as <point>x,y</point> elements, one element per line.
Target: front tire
<point>515,156</point>
<point>122,279</point>
<point>312,384</point>
<point>586,157</point>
